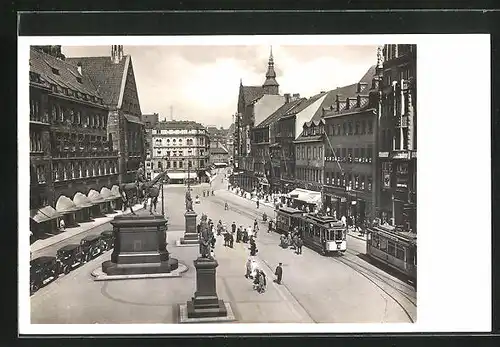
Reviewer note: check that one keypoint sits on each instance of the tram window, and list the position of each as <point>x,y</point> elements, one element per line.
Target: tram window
<point>391,248</point>
<point>331,235</point>
<point>316,231</point>
<point>339,234</point>
<point>375,240</point>
<point>383,244</point>
<point>400,252</point>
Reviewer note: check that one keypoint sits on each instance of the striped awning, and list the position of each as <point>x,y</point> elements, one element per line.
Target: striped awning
<point>44,214</point>
<point>107,194</point>
<point>95,197</point>
<point>180,175</point>
<point>81,201</point>
<point>65,205</point>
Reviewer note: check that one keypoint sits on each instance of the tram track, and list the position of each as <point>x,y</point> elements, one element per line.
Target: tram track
<point>385,283</point>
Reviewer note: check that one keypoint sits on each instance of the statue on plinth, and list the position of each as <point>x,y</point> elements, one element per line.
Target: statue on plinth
<point>189,201</point>
<point>204,238</point>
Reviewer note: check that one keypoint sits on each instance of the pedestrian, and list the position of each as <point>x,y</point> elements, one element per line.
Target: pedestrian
<point>278,273</point>
<point>270,226</point>
<point>253,268</point>
<point>231,240</point>
<point>255,228</point>
<point>248,268</point>
<point>261,282</point>
<point>258,203</point>
<point>299,245</point>
<point>238,234</point>
<point>226,206</point>
<point>62,225</point>
<point>253,247</point>
<point>233,227</point>
<point>344,221</point>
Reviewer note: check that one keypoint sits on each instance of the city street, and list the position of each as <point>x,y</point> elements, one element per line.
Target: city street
<point>315,288</point>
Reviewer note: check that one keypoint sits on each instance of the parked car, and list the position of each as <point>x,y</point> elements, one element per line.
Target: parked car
<point>91,246</point>
<point>42,270</point>
<point>69,257</point>
<point>108,239</point>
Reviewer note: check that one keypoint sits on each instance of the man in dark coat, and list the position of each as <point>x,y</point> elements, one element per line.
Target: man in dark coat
<point>278,273</point>
<point>299,245</point>
<point>233,227</point>
<point>253,247</point>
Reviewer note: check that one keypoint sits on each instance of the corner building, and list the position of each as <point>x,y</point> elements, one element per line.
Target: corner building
<point>397,145</point>
<point>183,149</point>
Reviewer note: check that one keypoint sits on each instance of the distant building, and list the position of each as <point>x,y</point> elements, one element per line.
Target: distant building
<point>182,148</point>
<point>150,122</point>
<point>114,78</point>
<point>218,136</point>
<point>219,155</point>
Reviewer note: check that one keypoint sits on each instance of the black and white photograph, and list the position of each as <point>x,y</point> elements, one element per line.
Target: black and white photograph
<point>223,183</point>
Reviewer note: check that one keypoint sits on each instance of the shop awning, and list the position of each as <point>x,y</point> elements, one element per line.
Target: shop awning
<point>65,205</point>
<point>307,196</point>
<point>81,201</point>
<point>44,214</point>
<point>107,194</point>
<point>115,190</point>
<point>95,197</point>
<point>180,175</point>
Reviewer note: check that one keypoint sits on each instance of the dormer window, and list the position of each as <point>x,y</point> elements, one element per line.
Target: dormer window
<point>55,71</point>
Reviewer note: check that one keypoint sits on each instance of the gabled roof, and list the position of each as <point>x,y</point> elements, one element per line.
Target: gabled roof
<point>218,150</point>
<point>179,124</point>
<point>348,91</point>
<point>63,74</point>
<point>304,104</point>
<point>252,93</point>
<point>108,77</point>
<point>280,112</point>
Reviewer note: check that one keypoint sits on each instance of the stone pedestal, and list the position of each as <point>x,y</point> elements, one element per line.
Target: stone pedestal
<point>190,234</point>
<point>140,247</point>
<point>205,303</point>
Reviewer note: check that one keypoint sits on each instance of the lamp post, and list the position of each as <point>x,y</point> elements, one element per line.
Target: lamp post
<point>162,197</point>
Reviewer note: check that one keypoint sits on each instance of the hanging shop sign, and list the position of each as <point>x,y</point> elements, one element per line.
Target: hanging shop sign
<point>383,154</point>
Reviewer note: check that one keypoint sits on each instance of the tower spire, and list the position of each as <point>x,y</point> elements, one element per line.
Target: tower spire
<point>270,85</point>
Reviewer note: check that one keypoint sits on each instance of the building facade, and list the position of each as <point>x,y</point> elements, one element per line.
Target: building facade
<point>397,145</point>
<point>309,156</point>
<point>182,148</point>
<point>219,155</point>
<point>72,158</point>
<point>350,167</point>
<point>114,78</point>
<point>150,122</point>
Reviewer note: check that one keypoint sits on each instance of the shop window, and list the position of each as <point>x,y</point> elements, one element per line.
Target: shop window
<point>391,248</point>
<point>383,244</point>
<point>357,128</point>
<point>400,252</point>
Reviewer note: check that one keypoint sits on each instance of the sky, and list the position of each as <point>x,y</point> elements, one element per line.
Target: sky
<point>201,83</point>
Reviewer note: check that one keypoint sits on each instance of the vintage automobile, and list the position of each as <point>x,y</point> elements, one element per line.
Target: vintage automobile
<point>69,257</point>
<point>91,246</point>
<point>42,270</point>
<point>108,239</point>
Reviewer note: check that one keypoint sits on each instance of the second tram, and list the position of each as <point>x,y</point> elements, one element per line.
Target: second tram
<point>396,249</point>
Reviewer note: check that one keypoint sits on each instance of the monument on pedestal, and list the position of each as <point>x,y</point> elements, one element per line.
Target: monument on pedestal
<point>205,303</point>
<point>140,241</point>
<point>190,234</point>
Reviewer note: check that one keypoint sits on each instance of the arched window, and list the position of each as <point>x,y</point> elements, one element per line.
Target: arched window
<point>60,113</point>
<point>54,114</point>
<point>93,165</point>
<point>78,118</point>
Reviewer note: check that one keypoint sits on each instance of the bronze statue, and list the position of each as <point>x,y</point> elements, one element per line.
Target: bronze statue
<point>133,189</point>
<point>189,201</point>
<point>204,238</point>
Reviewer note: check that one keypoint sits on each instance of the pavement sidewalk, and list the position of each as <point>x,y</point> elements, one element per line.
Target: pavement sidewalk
<point>83,227</point>
<point>262,202</point>
<point>357,235</point>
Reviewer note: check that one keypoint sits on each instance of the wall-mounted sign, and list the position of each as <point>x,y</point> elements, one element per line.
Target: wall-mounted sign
<point>401,155</point>
<point>383,154</point>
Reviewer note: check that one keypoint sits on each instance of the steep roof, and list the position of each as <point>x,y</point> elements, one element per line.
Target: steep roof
<point>106,75</point>
<point>279,113</point>
<point>305,103</point>
<point>252,93</point>
<point>63,75</point>
<point>348,91</point>
<point>218,150</point>
<point>179,124</point>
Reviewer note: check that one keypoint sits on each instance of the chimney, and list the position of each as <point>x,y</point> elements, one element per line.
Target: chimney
<point>116,53</point>
<point>287,98</point>
<point>79,67</point>
<point>296,96</point>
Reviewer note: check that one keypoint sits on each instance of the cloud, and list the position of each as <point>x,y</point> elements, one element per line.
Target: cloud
<point>201,82</point>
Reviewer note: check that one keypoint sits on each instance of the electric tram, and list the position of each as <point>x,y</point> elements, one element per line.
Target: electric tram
<point>394,248</point>
<point>323,234</point>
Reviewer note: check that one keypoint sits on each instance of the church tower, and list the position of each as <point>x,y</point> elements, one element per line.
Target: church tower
<point>270,86</point>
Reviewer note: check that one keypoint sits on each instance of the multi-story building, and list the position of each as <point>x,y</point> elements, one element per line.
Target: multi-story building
<point>349,152</point>
<point>183,149</point>
<point>230,143</point>
<point>218,136</point>
<point>255,103</point>
<point>397,146</point>
<point>74,164</point>
<point>114,78</point>
<point>219,155</point>
<point>150,121</point>
<point>263,136</point>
